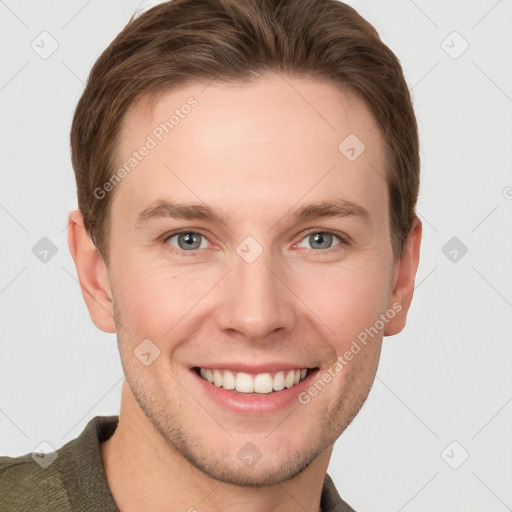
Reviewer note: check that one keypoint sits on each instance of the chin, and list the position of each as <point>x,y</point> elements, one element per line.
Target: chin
<point>264,469</point>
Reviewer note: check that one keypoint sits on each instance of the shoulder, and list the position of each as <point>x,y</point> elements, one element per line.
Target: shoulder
<point>25,484</point>
<point>59,481</point>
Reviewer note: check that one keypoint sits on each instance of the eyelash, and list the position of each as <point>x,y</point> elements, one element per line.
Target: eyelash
<point>344,240</point>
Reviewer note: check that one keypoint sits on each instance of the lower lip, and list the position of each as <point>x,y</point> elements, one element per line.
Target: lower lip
<point>254,404</point>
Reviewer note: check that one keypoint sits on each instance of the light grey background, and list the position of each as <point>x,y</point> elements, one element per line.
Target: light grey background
<point>447,377</point>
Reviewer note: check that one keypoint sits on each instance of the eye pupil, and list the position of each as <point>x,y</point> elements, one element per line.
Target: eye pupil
<point>191,241</point>
<point>326,238</point>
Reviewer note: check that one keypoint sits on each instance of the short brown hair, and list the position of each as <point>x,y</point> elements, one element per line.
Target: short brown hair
<point>184,40</point>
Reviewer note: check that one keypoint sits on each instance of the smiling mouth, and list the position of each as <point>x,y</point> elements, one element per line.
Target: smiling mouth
<point>254,384</point>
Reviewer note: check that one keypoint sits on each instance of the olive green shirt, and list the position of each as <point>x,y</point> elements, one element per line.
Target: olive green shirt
<point>73,478</point>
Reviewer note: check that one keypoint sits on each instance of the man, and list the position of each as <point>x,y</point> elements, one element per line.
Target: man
<point>247,177</point>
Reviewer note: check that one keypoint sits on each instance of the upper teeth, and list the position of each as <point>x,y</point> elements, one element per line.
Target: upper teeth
<point>260,383</point>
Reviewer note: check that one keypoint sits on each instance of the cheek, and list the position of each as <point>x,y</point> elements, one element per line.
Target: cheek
<point>153,298</point>
<point>347,301</point>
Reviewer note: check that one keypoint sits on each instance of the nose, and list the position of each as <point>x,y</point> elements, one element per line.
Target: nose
<point>256,301</point>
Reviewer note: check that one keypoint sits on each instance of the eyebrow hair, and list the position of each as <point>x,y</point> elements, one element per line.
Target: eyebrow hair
<point>163,208</point>
<point>333,208</point>
<point>337,208</point>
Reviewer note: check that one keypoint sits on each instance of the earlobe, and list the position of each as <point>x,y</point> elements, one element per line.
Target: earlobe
<point>405,274</point>
<point>92,274</point>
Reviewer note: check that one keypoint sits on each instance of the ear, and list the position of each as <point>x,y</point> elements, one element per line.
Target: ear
<point>92,273</point>
<point>403,280</point>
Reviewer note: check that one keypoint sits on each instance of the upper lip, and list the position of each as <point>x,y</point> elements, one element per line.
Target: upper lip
<point>255,369</point>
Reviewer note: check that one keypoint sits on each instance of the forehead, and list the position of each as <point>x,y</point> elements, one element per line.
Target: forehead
<point>273,141</point>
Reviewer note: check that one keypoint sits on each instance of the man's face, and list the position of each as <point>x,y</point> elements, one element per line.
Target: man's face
<point>261,291</point>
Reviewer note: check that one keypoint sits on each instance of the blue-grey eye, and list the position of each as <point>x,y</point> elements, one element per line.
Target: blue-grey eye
<point>321,240</point>
<point>188,241</point>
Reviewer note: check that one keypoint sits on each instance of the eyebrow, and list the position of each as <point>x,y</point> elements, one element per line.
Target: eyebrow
<point>333,208</point>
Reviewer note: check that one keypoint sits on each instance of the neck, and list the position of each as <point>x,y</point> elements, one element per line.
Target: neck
<point>145,473</point>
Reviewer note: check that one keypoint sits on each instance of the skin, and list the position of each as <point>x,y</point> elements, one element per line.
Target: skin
<point>254,151</point>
